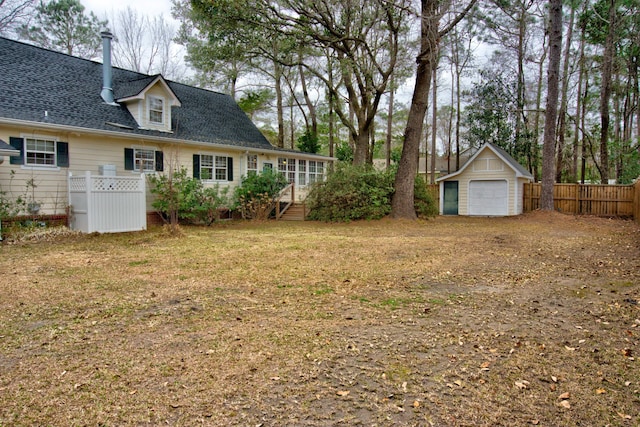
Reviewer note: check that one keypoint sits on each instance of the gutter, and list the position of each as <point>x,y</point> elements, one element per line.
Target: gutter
<point>115,134</point>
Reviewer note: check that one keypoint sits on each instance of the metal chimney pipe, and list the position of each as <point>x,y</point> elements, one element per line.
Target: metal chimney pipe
<point>107,79</point>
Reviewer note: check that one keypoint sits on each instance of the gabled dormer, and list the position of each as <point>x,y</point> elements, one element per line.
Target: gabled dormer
<point>149,101</point>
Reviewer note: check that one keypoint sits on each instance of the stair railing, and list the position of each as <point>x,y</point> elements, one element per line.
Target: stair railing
<point>285,199</point>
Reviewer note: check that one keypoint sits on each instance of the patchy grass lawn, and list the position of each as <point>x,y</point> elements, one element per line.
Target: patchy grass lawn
<point>531,320</point>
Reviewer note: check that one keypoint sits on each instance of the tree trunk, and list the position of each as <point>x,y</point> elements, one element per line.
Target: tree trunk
<point>310,106</point>
<point>551,115</point>
<point>277,73</point>
<point>577,128</point>
<point>402,205</point>
<point>562,116</point>
<point>390,121</point>
<point>605,93</point>
<point>434,120</point>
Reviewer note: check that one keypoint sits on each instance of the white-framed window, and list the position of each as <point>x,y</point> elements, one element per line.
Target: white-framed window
<point>302,172</point>
<point>156,110</point>
<point>40,152</point>
<point>252,164</point>
<point>316,171</point>
<point>144,160</point>
<point>212,167</point>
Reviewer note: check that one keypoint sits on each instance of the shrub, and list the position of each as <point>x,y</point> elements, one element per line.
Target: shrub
<point>183,198</point>
<point>256,196</point>
<point>425,204</point>
<point>352,193</point>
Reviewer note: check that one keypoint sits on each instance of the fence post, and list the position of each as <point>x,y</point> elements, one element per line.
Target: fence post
<point>578,193</point>
<point>143,200</point>
<point>636,201</point>
<point>89,193</point>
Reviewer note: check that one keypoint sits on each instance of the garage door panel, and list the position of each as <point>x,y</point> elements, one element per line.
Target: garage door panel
<point>488,198</point>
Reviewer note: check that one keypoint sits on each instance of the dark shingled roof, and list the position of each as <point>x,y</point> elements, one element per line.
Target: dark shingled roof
<point>34,80</point>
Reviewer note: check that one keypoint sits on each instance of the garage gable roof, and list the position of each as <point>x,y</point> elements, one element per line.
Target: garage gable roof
<point>519,170</point>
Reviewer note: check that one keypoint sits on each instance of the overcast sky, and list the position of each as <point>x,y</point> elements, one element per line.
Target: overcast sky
<point>152,8</point>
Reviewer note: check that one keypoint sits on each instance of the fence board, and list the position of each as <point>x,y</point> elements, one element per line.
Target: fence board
<point>636,201</point>
<point>592,199</point>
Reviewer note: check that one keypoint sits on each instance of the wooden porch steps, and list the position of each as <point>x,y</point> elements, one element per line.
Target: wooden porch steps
<point>296,212</point>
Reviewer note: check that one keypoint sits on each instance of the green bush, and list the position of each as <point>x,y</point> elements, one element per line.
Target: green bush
<point>425,204</point>
<point>183,198</point>
<point>352,193</point>
<point>362,192</point>
<point>256,196</point>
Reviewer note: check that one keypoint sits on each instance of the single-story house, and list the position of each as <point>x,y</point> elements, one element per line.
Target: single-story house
<point>66,115</point>
<point>490,183</point>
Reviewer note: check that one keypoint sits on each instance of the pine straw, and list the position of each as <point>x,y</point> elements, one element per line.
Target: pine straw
<point>454,321</point>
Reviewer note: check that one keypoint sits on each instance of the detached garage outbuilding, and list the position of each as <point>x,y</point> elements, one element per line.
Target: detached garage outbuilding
<point>490,184</point>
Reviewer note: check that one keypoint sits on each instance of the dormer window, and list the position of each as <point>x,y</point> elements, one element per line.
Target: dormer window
<point>150,102</point>
<point>156,110</point>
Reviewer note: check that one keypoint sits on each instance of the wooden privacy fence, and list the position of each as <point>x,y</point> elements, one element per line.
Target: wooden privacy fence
<point>587,199</point>
<point>636,201</point>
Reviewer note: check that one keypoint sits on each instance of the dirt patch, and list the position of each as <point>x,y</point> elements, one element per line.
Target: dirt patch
<point>531,320</point>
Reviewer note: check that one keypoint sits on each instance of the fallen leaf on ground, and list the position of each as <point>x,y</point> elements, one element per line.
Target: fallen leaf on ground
<point>565,404</point>
<point>564,395</point>
<point>601,391</point>
<point>522,384</point>
<point>343,393</point>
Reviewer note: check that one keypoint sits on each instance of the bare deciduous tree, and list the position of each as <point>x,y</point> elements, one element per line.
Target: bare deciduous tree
<point>145,44</point>
<point>14,13</point>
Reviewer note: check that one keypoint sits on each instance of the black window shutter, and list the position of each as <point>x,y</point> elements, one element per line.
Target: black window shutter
<point>229,168</point>
<point>62,151</point>
<point>159,161</point>
<point>196,166</point>
<point>18,144</point>
<point>128,159</point>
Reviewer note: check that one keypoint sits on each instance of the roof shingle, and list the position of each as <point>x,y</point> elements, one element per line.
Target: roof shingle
<point>43,86</point>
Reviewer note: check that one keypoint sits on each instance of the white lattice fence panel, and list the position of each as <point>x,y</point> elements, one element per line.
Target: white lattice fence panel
<point>110,183</point>
<point>108,204</point>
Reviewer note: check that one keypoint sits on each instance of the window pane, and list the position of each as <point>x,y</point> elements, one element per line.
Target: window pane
<point>145,160</point>
<point>252,162</point>
<point>221,168</point>
<point>156,107</point>
<point>40,152</point>
<point>206,167</point>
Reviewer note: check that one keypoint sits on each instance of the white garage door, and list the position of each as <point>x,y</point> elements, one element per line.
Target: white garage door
<point>488,198</point>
